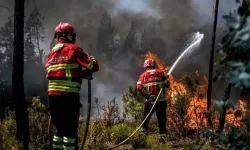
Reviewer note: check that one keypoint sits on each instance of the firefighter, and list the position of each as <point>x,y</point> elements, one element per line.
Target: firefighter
<point>66,65</point>
<point>149,85</point>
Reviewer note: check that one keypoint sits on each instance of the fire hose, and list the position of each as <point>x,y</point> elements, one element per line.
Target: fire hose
<point>140,124</point>
<point>88,113</point>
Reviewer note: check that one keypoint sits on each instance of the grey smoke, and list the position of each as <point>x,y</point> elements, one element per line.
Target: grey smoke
<point>145,7</point>
<point>168,21</point>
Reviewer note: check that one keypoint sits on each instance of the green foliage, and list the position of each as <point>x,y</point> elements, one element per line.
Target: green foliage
<point>235,48</point>
<point>7,130</point>
<point>153,143</point>
<point>105,131</point>
<point>111,113</point>
<point>98,137</point>
<point>234,62</point>
<point>133,103</point>
<point>121,132</point>
<point>189,144</point>
<point>221,105</point>
<point>38,117</point>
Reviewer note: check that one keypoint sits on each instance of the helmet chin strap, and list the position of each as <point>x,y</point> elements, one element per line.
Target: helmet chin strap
<point>69,38</point>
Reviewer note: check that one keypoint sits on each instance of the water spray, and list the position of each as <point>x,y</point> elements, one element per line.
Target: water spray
<point>197,40</point>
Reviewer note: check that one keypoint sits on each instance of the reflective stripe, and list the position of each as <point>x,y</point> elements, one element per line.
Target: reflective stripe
<point>57,138</point>
<point>57,146</point>
<point>69,140</point>
<point>139,82</point>
<point>153,70</point>
<point>64,83</point>
<point>161,85</point>
<point>63,89</point>
<point>62,66</point>
<point>68,147</point>
<point>59,45</point>
<point>156,83</point>
<point>91,63</point>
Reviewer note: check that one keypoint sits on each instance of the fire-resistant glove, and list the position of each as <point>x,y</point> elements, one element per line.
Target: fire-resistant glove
<point>86,73</point>
<point>92,58</point>
<point>167,85</point>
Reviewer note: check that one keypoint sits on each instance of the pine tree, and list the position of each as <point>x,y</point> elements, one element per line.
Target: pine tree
<point>6,44</point>
<point>105,36</point>
<point>30,57</point>
<point>131,40</point>
<point>34,30</point>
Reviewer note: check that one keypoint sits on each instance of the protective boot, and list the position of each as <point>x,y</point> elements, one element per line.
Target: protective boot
<point>57,143</point>
<point>69,143</point>
<point>145,131</point>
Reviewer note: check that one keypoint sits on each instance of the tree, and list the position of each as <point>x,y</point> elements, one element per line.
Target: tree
<point>22,119</point>
<point>234,58</point>
<point>6,54</point>
<point>30,57</point>
<point>34,30</point>
<point>234,63</point>
<point>34,54</point>
<point>211,64</point>
<point>105,36</point>
<point>131,39</point>
<point>6,44</point>
<point>222,119</point>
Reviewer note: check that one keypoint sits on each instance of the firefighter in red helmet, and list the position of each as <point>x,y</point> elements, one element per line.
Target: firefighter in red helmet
<point>66,65</point>
<point>149,84</point>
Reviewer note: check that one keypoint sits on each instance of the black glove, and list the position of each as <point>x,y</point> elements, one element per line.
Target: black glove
<point>167,85</point>
<point>86,73</point>
<point>145,94</point>
<point>151,99</point>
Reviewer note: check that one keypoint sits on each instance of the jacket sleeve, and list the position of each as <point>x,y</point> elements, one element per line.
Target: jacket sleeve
<point>164,78</point>
<point>86,61</point>
<point>141,88</point>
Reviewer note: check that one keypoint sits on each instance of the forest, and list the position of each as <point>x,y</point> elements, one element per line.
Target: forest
<point>195,121</point>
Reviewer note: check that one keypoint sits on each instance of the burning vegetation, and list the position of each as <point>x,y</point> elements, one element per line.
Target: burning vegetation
<point>191,98</point>
<point>186,122</point>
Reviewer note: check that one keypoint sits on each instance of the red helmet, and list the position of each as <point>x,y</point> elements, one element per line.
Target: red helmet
<point>149,63</point>
<point>64,27</point>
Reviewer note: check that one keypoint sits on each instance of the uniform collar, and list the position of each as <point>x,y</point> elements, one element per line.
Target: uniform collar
<point>61,40</point>
<point>150,68</point>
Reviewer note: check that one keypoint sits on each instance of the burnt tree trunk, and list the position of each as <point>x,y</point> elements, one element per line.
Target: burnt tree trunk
<point>22,120</point>
<point>211,63</point>
<point>222,119</point>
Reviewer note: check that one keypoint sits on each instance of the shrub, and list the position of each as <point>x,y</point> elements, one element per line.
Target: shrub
<point>7,132</point>
<point>133,104</point>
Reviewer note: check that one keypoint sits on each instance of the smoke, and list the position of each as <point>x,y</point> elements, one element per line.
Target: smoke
<point>205,10</point>
<point>146,7</point>
<point>162,26</point>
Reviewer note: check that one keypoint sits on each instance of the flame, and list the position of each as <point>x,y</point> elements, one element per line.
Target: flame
<point>195,116</point>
